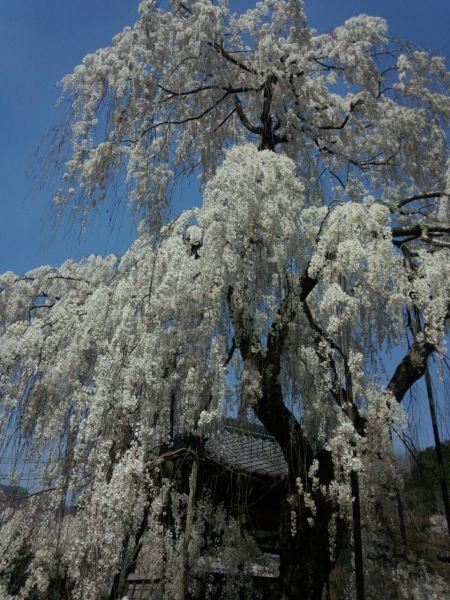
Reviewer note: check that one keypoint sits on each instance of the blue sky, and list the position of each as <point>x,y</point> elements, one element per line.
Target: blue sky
<point>42,40</point>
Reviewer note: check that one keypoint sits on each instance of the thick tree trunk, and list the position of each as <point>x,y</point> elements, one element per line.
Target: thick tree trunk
<point>302,573</point>
<point>305,562</point>
<point>305,554</point>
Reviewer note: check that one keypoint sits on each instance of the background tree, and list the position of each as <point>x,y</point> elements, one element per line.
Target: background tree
<point>344,171</point>
<point>422,482</point>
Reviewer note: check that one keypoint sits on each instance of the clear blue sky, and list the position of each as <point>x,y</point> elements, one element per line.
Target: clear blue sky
<point>42,40</point>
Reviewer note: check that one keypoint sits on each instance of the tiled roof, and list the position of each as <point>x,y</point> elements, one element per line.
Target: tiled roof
<point>249,447</point>
<point>241,445</point>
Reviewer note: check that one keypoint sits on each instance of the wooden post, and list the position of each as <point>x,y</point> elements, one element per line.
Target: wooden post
<point>182,584</point>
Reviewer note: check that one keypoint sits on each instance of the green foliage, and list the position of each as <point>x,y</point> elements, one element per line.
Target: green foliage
<point>57,589</point>
<point>19,573</point>
<point>13,491</point>
<point>423,484</point>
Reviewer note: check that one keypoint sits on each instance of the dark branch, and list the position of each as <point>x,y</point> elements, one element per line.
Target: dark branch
<point>345,121</point>
<point>412,367</point>
<point>243,117</point>
<point>420,197</point>
<point>178,122</point>
<point>221,50</point>
<point>419,230</point>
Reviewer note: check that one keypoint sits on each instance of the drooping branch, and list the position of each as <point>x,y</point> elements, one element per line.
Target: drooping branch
<point>171,122</point>
<point>338,392</point>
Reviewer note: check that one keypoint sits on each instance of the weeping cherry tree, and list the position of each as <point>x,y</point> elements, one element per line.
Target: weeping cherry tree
<point>283,299</point>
